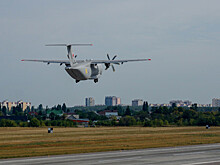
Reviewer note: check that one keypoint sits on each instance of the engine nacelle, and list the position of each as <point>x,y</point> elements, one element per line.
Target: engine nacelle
<point>96,69</point>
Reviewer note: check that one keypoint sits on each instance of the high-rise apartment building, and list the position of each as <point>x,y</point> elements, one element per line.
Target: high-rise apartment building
<point>112,100</point>
<point>10,105</point>
<point>137,102</point>
<point>215,102</point>
<point>118,101</point>
<point>90,101</point>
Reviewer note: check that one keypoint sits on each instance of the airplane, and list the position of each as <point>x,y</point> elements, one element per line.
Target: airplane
<point>84,69</point>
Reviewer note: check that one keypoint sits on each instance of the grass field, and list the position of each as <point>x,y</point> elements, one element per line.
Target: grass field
<point>25,142</point>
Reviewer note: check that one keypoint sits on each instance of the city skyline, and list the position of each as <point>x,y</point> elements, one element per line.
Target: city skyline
<point>90,101</point>
<point>181,37</point>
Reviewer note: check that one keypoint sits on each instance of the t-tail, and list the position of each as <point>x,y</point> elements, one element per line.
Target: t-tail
<point>70,55</point>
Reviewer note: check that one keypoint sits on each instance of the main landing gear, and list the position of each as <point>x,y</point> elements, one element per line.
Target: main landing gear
<point>95,80</point>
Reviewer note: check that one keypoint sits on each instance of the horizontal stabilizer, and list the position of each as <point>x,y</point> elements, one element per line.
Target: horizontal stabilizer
<point>68,45</point>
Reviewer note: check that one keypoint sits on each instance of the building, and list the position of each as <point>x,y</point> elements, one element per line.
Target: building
<point>112,100</point>
<point>10,105</point>
<point>215,102</point>
<point>180,103</point>
<point>71,115</point>
<point>204,105</point>
<point>109,113</point>
<point>137,102</point>
<point>118,101</point>
<point>90,101</point>
<point>75,118</point>
<point>55,112</point>
<point>187,102</point>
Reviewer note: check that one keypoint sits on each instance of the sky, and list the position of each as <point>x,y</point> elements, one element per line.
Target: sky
<point>181,37</point>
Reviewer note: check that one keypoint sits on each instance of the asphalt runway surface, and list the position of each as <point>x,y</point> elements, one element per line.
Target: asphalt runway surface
<point>187,155</point>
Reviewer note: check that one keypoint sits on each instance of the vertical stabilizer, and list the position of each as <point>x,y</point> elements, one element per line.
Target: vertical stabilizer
<point>70,54</point>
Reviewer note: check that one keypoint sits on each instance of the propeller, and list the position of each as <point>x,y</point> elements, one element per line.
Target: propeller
<point>107,65</point>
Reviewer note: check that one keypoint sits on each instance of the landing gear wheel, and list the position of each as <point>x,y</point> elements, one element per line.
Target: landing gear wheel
<point>95,80</point>
<point>77,81</point>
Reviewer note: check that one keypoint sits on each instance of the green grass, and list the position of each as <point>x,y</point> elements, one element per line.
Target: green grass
<point>26,142</point>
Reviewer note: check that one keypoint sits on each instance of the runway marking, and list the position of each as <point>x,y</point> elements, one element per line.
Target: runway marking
<point>117,160</point>
<point>189,153</point>
<point>216,161</point>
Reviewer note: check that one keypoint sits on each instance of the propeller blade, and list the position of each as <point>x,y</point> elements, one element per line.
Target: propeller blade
<point>114,57</point>
<point>108,57</point>
<point>113,68</point>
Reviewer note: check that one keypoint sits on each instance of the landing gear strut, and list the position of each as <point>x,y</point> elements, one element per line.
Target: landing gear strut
<point>77,81</point>
<point>95,80</point>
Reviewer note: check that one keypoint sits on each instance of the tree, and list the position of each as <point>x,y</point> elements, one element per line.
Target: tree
<point>28,109</point>
<point>17,111</point>
<point>54,107</point>
<point>148,123</point>
<point>32,109</point>
<point>188,114</point>
<point>120,110</point>
<point>3,123</point>
<point>19,108</point>
<point>4,110</point>
<point>165,123</point>
<point>128,111</point>
<point>40,107</point>
<point>59,107</point>
<point>52,116</point>
<point>64,107</point>
<point>191,122</point>
<point>142,115</point>
<point>127,121</point>
<point>180,122</point>
<point>14,111</point>
<point>63,117</point>
<point>40,113</point>
<point>194,106</point>
<point>173,105</point>
<point>145,107</point>
<point>35,122</point>
<point>7,123</point>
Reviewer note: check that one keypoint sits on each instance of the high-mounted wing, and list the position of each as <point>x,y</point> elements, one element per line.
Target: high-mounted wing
<point>51,61</point>
<point>116,61</point>
<point>70,55</point>
<point>109,62</point>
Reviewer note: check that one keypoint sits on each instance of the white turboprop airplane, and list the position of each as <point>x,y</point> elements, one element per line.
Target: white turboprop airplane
<point>85,69</point>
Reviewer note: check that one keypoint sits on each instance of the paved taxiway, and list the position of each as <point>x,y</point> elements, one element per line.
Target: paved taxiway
<point>187,155</point>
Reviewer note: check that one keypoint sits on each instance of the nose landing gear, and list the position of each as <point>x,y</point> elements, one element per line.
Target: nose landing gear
<point>95,80</point>
<point>77,81</point>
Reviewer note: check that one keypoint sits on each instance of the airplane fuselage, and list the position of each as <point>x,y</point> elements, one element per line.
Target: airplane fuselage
<point>84,71</point>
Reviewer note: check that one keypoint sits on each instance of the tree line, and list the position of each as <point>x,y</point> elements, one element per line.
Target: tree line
<point>34,122</point>
<point>129,116</point>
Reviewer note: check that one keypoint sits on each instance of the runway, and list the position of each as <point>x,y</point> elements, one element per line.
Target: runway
<point>187,155</point>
